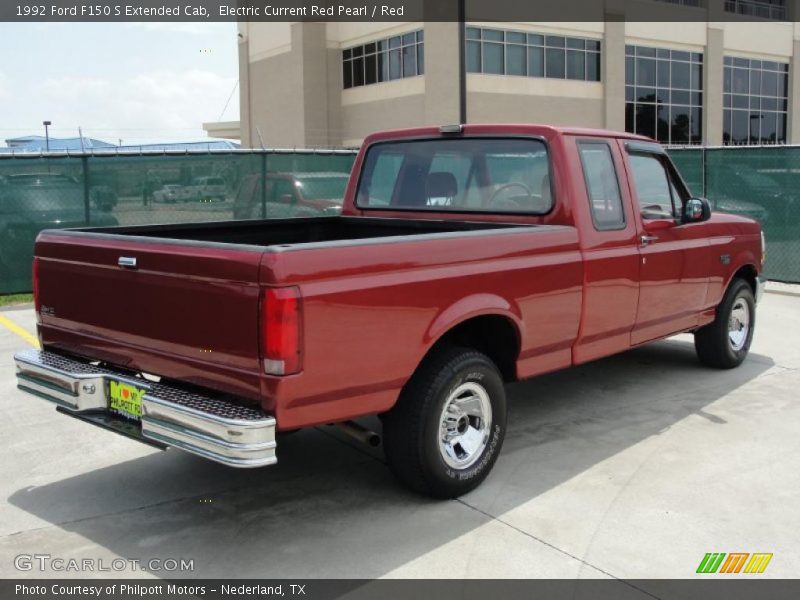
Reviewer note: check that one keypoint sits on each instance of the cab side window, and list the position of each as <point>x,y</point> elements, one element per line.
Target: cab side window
<point>602,185</point>
<point>655,192</point>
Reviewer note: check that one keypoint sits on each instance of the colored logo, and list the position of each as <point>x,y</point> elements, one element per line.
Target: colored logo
<point>735,562</point>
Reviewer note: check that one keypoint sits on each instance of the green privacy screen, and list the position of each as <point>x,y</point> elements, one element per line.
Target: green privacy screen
<point>73,191</point>
<point>122,189</point>
<point>762,183</point>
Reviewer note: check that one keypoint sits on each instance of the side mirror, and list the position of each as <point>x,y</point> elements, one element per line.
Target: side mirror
<point>696,210</point>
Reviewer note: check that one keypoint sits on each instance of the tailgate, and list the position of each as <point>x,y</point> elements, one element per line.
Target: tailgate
<point>187,311</point>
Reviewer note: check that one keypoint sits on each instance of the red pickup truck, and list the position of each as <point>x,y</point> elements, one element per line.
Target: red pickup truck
<point>466,257</point>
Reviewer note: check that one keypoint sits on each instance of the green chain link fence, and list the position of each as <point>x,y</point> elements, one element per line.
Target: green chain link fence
<point>57,191</point>
<point>760,182</point>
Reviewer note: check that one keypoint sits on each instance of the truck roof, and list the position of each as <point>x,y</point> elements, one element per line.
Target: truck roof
<point>504,129</point>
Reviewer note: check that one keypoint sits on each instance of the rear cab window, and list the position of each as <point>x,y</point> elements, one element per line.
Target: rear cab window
<point>493,175</point>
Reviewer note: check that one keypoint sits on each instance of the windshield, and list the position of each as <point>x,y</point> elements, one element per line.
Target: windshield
<point>460,175</point>
<point>323,188</point>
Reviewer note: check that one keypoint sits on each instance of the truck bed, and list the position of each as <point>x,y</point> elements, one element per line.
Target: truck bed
<point>282,232</point>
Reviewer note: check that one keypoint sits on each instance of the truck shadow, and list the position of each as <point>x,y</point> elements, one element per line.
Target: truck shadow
<point>329,509</point>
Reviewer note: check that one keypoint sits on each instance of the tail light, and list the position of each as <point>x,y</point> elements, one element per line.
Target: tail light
<point>35,277</point>
<point>281,335</point>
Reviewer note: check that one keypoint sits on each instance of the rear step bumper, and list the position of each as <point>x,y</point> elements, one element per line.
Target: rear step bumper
<point>221,431</point>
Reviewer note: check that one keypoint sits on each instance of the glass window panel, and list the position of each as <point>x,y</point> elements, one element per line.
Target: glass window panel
<point>370,69</point>
<point>740,81</point>
<point>769,128</point>
<point>358,71</point>
<point>780,129</point>
<point>394,64</point>
<point>726,127</point>
<point>755,64</point>
<point>646,120</point>
<point>740,124</point>
<point>602,186</point>
<point>727,60</point>
<point>536,62</point>
<point>358,51</point>
<point>769,83</point>
<point>662,73</point>
<point>645,51</point>
<point>347,54</point>
<point>696,99</point>
<point>697,57</point>
<point>630,70</point>
<point>535,39</point>
<point>421,35</point>
<point>516,60</point>
<point>741,62</point>
<point>421,59</point>
<point>770,66</point>
<point>696,129</point>
<point>493,58</point>
<point>555,41</point>
<point>769,103</point>
<point>755,102</point>
<point>576,64</point>
<point>630,50</point>
<point>652,186</point>
<point>740,101</point>
<point>679,125</point>
<point>645,94</point>
<point>630,121</point>
<point>680,55</point>
<point>630,93</point>
<point>697,77</point>
<point>645,72</point>
<point>493,35</point>
<point>394,42</point>
<point>473,57</point>
<point>409,38</point>
<point>347,74</point>
<point>555,63</point>
<point>755,82</point>
<point>473,33</point>
<point>410,61</point>
<point>576,43</point>
<point>662,53</point>
<point>727,84</point>
<point>593,45</point>
<point>369,48</point>
<point>592,66</point>
<point>680,75</point>
<point>680,97</point>
<point>515,37</point>
<point>727,101</point>
<point>783,81</point>
<point>383,66</point>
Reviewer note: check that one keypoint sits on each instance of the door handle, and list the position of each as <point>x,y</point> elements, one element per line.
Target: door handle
<point>646,240</point>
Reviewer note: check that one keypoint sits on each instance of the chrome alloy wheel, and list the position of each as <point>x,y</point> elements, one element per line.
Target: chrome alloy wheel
<point>465,425</point>
<point>739,324</point>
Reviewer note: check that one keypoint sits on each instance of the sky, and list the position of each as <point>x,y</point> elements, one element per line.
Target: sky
<point>138,82</point>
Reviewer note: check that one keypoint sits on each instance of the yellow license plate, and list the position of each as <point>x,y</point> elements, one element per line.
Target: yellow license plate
<point>125,399</point>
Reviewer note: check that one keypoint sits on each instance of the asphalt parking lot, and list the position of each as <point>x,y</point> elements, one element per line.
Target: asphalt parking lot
<point>630,467</point>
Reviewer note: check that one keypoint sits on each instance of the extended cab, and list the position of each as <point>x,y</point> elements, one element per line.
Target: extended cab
<point>465,258</point>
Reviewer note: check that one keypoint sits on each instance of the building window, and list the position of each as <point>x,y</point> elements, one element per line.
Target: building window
<point>756,101</point>
<point>764,9</point>
<point>664,94</point>
<point>384,60</point>
<point>501,52</point>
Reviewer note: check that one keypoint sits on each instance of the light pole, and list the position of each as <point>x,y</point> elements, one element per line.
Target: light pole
<point>47,134</point>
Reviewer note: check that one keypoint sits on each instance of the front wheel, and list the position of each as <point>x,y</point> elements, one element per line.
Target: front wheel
<point>443,436</point>
<point>725,342</point>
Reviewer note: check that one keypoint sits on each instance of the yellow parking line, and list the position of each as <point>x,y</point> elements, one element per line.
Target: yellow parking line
<point>14,328</point>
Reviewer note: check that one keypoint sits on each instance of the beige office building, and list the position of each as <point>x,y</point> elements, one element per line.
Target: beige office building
<point>713,82</point>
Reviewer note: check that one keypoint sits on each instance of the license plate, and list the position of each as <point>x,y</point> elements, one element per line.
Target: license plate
<point>125,399</point>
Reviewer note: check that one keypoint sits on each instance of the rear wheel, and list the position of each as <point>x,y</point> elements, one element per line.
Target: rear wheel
<point>443,436</point>
<point>725,342</point>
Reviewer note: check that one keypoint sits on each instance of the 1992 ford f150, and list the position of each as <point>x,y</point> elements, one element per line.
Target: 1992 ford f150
<point>465,258</point>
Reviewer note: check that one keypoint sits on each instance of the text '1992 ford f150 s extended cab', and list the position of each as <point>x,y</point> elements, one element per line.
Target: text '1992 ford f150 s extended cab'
<point>466,257</point>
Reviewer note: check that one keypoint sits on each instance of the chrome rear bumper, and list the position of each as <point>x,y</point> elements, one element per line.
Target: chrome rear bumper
<point>221,431</point>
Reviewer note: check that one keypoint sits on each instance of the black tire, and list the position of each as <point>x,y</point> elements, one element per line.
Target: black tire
<point>712,342</point>
<point>412,429</point>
